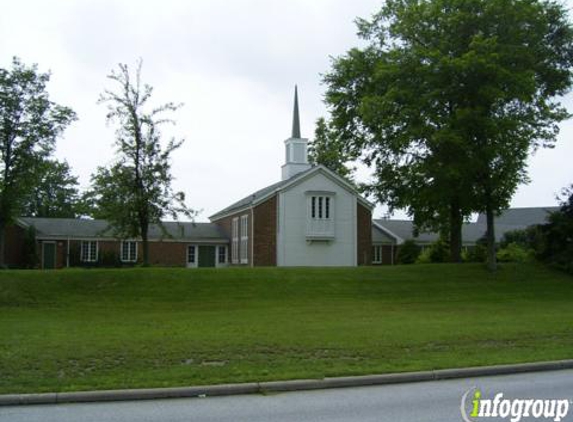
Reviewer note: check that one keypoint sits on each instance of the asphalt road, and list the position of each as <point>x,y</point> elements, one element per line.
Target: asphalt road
<point>437,401</point>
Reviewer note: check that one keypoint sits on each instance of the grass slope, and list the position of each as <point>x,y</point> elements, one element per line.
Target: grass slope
<point>103,329</point>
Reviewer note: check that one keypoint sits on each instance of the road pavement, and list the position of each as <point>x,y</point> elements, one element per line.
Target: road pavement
<point>435,401</point>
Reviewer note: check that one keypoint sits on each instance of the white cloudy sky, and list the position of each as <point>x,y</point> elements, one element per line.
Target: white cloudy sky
<point>233,63</point>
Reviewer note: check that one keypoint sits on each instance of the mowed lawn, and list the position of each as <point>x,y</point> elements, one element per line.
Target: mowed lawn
<point>152,327</point>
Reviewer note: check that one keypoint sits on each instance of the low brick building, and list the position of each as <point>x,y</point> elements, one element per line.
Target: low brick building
<point>65,242</point>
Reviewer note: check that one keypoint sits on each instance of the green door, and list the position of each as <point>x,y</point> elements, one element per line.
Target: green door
<point>207,256</point>
<point>49,256</point>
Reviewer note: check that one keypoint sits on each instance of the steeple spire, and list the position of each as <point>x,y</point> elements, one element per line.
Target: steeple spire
<point>295,118</point>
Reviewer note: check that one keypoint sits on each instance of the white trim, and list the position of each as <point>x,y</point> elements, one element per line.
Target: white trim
<point>244,239</point>
<point>399,240</point>
<point>235,240</point>
<point>355,230</point>
<point>280,230</point>
<point>217,251</point>
<point>375,247</point>
<point>128,260</point>
<point>194,264</point>
<point>252,237</point>
<point>82,250</point>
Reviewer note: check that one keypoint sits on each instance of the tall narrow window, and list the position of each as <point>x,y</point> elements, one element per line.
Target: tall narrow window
<point>129,251</point>
<point>222,254</point>
<point>244,250</point>
<point>321,207</point>
<point>89,251</point>
<point>377,254</point>
<point>235,240</point>
<point>313,204</point>
<point>191,254</point>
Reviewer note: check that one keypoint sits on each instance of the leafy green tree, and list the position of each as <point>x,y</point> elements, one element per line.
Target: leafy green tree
<point>136,191</point>
<point>327,149</point>
<point>448,98</point>
<point>56,194</point>
<point>29,125</point>
<point>408,252</point>
<point>557,248</point>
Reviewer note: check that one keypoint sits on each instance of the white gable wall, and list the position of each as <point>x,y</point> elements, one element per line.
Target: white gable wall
<point>293,248</point>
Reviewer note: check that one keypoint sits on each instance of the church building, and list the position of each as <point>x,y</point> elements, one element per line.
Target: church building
<point>312,217</point>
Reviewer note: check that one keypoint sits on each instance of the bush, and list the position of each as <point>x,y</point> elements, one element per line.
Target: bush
<point>408,252</point>
<point>476,253</point>
<point>424,257</point>
<point>438,251</point>
<point>515,253</point>
<point>109,259</point>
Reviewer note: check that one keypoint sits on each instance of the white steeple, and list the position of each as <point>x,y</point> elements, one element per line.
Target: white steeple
<point>295,146</point>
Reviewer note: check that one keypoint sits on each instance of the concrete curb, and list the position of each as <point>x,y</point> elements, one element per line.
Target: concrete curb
<point>277,386</point>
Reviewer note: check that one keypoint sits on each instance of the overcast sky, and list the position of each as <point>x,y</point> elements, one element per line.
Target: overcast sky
<point>233,63</point>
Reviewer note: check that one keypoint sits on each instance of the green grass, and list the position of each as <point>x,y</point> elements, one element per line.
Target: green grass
<point>106,329</point>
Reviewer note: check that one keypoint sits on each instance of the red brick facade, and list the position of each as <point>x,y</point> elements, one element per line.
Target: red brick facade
<point>364,235</point>
<point>265,233</point>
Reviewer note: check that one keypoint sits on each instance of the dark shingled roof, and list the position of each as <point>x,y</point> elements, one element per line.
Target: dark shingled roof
<point>84,228</point>
<point>250,199</point>
<point>521,216</point>
<point>511,219</point>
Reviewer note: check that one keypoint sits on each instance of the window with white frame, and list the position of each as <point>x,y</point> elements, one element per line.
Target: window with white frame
<point>320,207</point>
<point>222,255</point>
<point>244,239</point>
<point>128,251</point>
<point>377,254</point>
<point>235,240</point>
<point>89,251</point>
<point>320,221</point>
<point>191,254</point>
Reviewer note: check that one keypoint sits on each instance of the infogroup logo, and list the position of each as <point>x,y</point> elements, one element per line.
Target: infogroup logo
<point>474,408</point>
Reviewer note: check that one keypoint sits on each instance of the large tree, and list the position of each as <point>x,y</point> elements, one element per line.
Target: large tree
<point>447,100</point>
<point>29,125</point>
<point>135,191</point>
<point>328,150</point>
<point>55,194</point>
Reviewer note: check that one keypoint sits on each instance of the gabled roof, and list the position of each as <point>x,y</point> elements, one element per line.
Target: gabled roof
<point>511,219</point>
<point>75,228</point>
<point>265,193</point>
<point>521,216</point>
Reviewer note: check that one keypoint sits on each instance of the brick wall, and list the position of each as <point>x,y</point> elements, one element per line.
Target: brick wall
<point>364,235</point>
<point>265,238</point>
<point>172,254</point>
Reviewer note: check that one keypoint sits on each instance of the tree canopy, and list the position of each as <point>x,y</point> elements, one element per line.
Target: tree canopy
<point>328,150</point>
<point>30,123</point>
<point>56,193</point>
<point>447,100</point>
<point>136,191</point>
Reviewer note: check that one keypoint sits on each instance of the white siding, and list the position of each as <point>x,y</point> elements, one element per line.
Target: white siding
<point>294,248</point>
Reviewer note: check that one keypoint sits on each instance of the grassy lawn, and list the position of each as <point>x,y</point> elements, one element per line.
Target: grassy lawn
<point>105,329</point>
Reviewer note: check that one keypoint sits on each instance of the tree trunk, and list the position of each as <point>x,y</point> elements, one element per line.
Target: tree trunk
<point>456,222</point>
<point>145,243</point>
<point>490,236</point>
